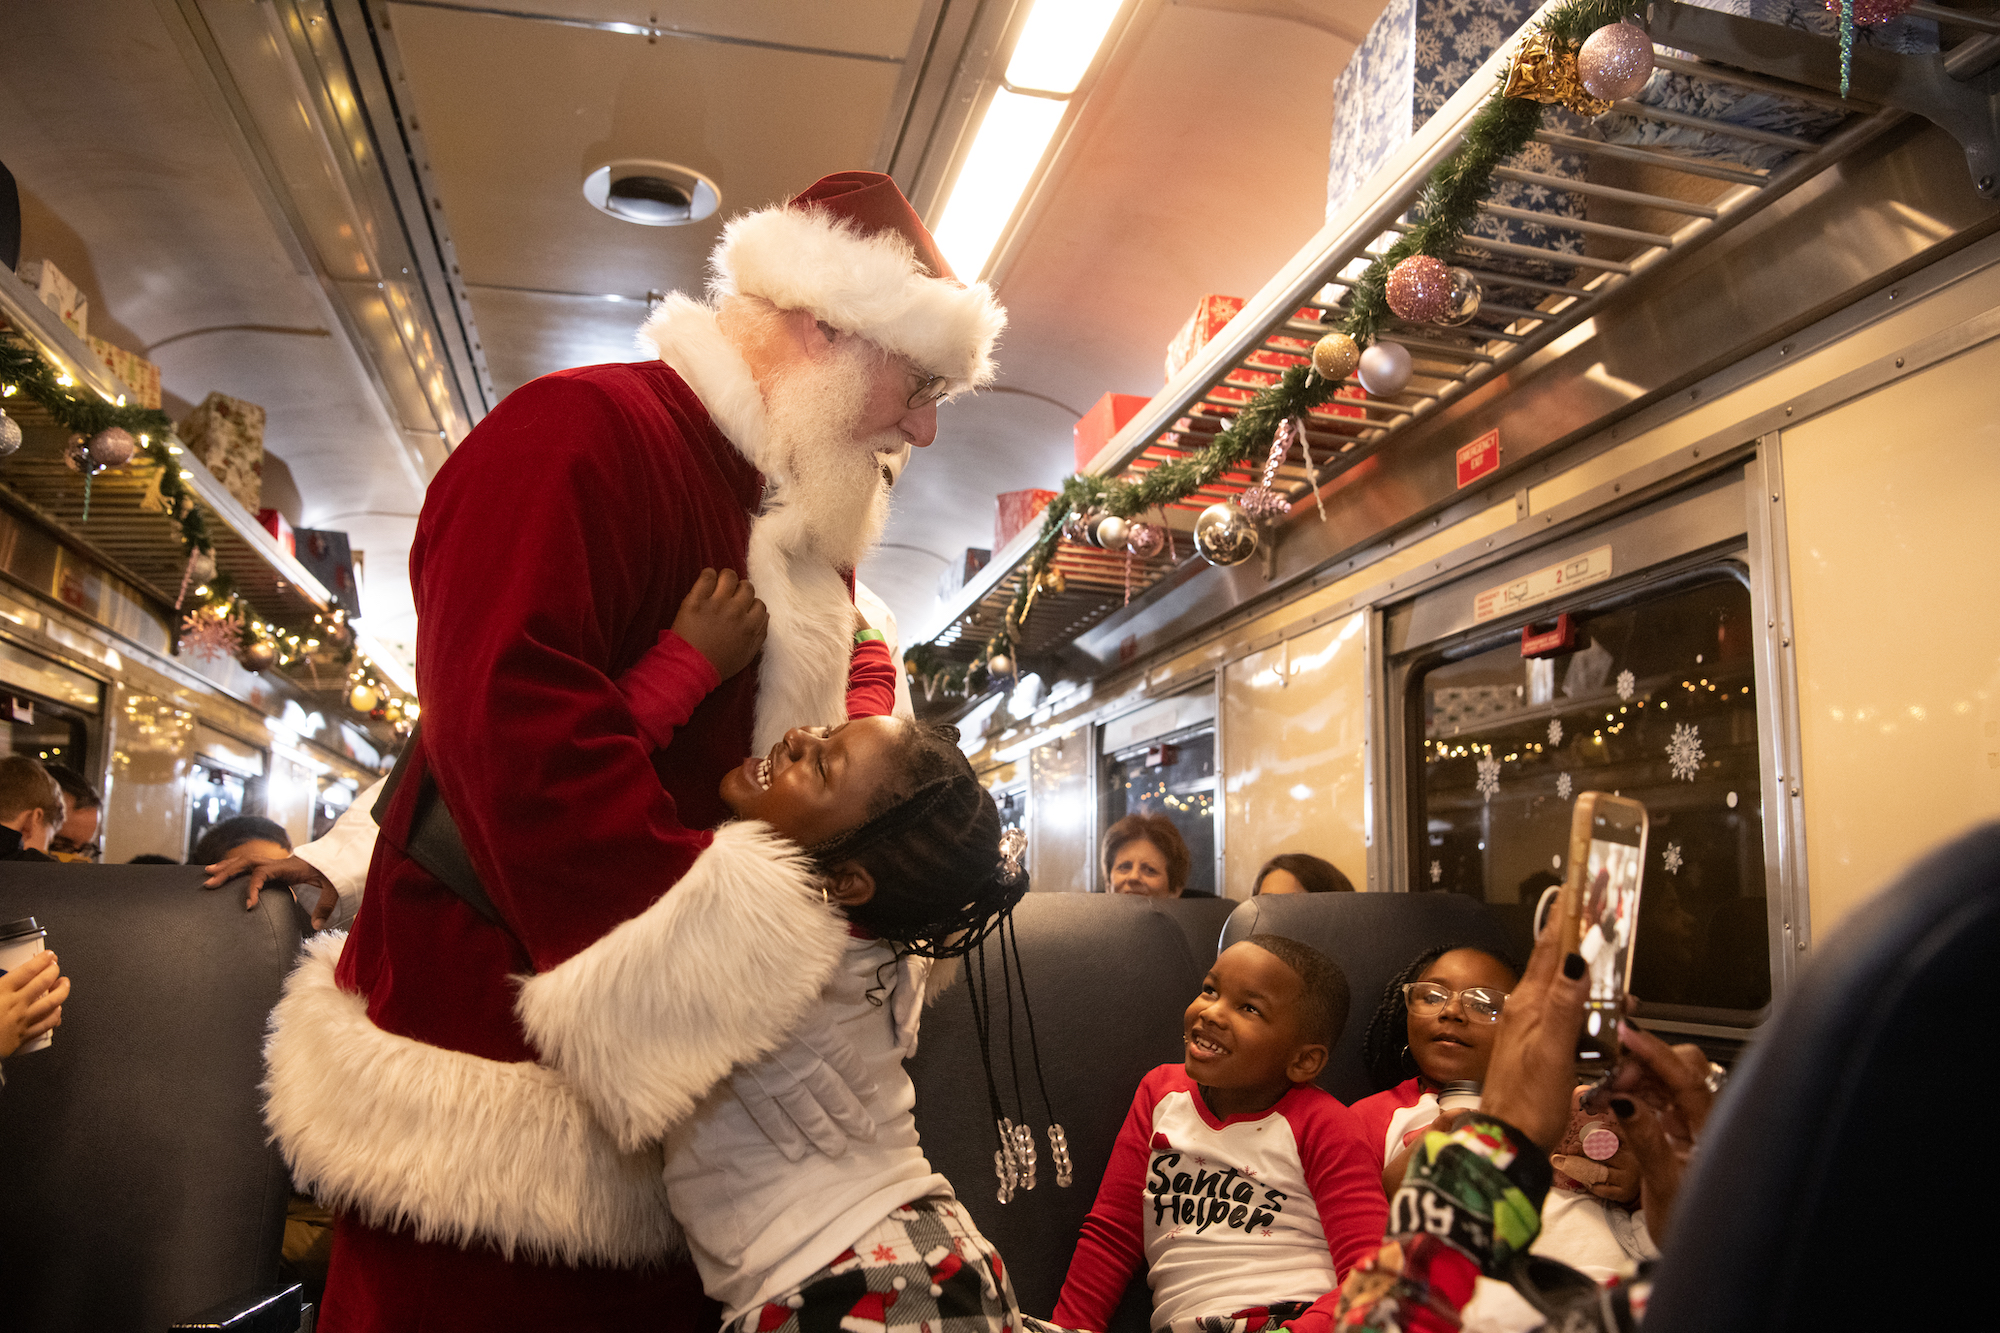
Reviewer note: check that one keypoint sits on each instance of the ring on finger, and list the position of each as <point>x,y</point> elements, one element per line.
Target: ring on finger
<point>1717,1077</point>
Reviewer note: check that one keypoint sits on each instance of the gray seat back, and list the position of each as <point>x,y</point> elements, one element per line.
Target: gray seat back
<point>139,1185</point>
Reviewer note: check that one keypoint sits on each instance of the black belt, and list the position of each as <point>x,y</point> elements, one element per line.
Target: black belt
<point>434,841</point>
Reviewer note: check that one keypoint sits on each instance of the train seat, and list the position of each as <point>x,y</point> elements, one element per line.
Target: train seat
<point>1109,978</point>
<point>140,1189</point>
<point>1839,1173</point>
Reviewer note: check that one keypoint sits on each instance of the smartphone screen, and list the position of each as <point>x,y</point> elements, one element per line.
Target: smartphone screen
<point>1608,917</point>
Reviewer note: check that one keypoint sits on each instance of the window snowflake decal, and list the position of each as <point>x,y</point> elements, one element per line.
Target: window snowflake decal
<point>1437,871</point>
<point>1564,786</point>
<point>1671,859</point>
<point>1555,731</point>
<point>1489,776</point>
<point>1627,683</point>
<point>1684,752</point>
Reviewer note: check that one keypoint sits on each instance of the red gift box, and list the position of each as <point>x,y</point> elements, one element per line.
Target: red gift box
<point>1014,510</point>
<point>275,524</point>
<point>1104,420</point>
<point>1210,314</point>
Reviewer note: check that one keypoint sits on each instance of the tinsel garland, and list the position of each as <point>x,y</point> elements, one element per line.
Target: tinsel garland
<point>1448,204</point>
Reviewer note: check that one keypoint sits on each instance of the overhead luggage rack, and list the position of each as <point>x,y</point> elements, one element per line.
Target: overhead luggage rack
<point>1642,207</point>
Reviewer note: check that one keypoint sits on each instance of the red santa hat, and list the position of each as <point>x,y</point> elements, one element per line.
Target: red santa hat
<point>851,249</point>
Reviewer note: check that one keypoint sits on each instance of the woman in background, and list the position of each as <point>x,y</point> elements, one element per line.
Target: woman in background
<point>1297,872</point>
<point>1145,854</point>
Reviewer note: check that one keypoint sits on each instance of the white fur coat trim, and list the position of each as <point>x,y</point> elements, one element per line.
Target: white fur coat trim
<point>683,333</point>
<point>646,1020</point>
<point>805,258</point>
<point>457,1148</point>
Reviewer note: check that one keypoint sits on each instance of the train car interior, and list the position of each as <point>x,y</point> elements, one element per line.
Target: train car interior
<point>1412,418</point>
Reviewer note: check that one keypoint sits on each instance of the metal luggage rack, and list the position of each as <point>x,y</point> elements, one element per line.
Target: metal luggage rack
<point>1665,204</point>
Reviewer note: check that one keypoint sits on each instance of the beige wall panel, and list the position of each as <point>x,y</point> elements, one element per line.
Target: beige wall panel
<point>145,800</point>
<point>1061,814</point>
<point>1890,511</point>
<point>1294,723</point>
<point>290,792</point>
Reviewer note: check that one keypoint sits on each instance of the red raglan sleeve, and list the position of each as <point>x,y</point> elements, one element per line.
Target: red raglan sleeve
<point>1112,1246</point>
<point>871,680</point>
<point>1346,1180</point>
<point>664,687</point>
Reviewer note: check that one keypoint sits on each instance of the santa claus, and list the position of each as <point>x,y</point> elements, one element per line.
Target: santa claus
<point>477,1092</point>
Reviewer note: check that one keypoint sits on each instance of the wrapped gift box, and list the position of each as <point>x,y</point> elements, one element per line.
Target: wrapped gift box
<point>970,561</point>
<point>227,435</point>
<point>280,529</point>
<point>1210,314</point>
<point>138,374</point>
<point>1014,510</point>
<point>329,558</point>
<point>1417,55</point>
<point>1103,421</point>
<point>58,293</point>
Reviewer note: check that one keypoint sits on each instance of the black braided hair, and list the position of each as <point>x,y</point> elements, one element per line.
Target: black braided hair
<point>932,844</point>
<point>1385,1051</point>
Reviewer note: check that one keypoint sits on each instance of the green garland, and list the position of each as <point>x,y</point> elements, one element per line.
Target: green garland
<point>1447,206</point>
<point>24,372</point>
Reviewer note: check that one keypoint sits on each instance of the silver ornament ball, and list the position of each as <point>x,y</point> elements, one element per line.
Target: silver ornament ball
<point>1225,535</point>
<point>1385,369</point>
<point>1112,532</point>
<point>1145,540</point>
<point>10,435</point>
<point>1616,61</point>
<point>1462,302</point>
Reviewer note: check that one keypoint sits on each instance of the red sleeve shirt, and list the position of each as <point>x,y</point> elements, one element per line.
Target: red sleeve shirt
<point>871,680</point>
<point>1227,1215</point>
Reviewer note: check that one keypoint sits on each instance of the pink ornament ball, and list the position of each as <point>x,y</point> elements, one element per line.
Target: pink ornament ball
<point>1615,61</point>
<point>1868,13</point>
<point>1419,289</point>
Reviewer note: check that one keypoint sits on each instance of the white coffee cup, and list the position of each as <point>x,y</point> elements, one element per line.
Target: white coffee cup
<point>20,941</point>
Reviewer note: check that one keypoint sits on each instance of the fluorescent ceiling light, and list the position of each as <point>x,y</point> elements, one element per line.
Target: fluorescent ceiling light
<point>1010,145</point>
<point>1056,46</point>
<point>1058,43</point>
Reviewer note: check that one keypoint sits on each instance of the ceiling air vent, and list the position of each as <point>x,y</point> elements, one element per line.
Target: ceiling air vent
<point>652,194</point>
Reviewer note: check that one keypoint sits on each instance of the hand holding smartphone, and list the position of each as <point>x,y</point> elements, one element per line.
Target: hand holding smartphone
<point>1599,906</point>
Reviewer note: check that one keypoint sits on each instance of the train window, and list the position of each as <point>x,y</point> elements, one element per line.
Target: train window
<point>1655,702</point>
<point>43,731</point>
<point>215,794</point>
<point>1013,806</point>
<point>1172,776</point>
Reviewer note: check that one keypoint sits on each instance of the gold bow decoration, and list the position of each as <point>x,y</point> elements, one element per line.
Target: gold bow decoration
<point>1544,70</point>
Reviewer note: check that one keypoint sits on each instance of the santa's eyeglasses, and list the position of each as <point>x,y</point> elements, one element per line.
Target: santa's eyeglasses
<point>1427,997</point>
<point>932,390</point>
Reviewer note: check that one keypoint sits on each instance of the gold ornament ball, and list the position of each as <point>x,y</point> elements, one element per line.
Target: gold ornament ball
<point>1335,356</point>
<point>1112,532</point>
<point>1225,535</point>
<point>1419,289</point>
<point>999,665</point>
<point>393,710</point>
<point>261,655</point>
<point>1616,61</point>
<point>363,699</point>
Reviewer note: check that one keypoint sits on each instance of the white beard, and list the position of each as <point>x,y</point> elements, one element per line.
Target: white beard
<point>824,512</point>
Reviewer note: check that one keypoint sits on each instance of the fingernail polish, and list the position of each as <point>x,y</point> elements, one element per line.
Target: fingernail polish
<point>1622,1107</point>
<point>1573,966</point>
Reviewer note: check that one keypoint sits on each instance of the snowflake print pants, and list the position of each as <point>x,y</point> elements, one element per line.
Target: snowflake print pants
<point>923,1269</point>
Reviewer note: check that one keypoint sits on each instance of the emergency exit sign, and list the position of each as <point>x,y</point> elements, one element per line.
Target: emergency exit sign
<point>1480,457</point>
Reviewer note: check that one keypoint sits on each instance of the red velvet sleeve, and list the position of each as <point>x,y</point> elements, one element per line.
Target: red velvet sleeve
<point>1112,1246</point>
<point>871,680</point>
<point>580,520</point>
<point>663,687</point>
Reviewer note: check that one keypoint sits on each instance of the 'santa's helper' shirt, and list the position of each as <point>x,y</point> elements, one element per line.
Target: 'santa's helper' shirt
<point>1227,1215</point>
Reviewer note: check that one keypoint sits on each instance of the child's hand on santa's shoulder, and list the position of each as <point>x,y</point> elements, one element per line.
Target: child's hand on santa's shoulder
<point>722,620</point>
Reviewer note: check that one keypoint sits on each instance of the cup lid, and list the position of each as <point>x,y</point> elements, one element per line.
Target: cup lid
<point>25,926</point>
<point>1460,1087</point>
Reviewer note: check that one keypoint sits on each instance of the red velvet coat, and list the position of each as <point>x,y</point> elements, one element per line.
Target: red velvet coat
<point>487,1141</point>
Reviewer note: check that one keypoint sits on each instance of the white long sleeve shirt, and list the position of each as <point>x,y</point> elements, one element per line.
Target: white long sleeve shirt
<point>757,1223</point>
